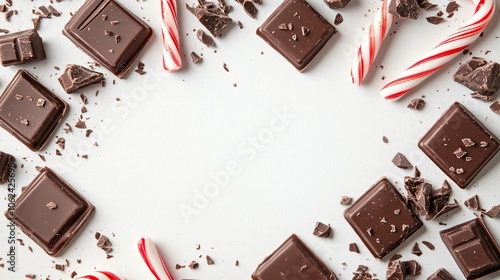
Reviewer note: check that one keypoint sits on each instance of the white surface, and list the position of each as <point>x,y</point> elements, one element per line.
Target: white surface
<point>161,144</point>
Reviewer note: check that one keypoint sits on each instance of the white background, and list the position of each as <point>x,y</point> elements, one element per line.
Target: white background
<point>161,144</point>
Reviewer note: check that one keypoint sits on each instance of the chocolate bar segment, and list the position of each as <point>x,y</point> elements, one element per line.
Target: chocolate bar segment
<point>6,161</point>
<point>382,219</point>
<point>293,260</point>
<point>52,228</point>
<point>30,111</point>
<point>446,136</point>
<point>297,31</point>
<point>109,33</point>
<point>473,248</point>
<point>21,47</point>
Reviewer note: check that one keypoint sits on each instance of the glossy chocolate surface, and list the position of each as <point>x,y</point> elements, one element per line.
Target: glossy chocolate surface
<point>21,47</point>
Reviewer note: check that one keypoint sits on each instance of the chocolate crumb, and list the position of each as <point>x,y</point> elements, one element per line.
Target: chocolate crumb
<point>73,274</point>
<point>353,247</point>
<point>416,250</point>
<point>468,142</point>
<point>30,249</point>
<point>40,102</point>
<point>59,267</point>
<point>210,261</point>
<point>88,132</point>
<point>429,245</point>
<point>305,30</point>
<point>434,20</point>
<point>338,19</point>
<point>345,200</point>
<point>472,203</point>
<point>240,25</point>
<point>114,22</point>
<point>459,153</point>
<point>401,161</point>
<point>417,104</point>
<point>495,107</point>
<point>385,139</point>
<point>140,68</point>
<point>322,230</point>
<point>236,263</point>
<point>51,205</point>
<point>30,275</point>
<point>225,67</point>
<point>193,265</point>
<point>452,7</point>
<point>205,38</point>
<point>80,124</point>
<point>195,58</point>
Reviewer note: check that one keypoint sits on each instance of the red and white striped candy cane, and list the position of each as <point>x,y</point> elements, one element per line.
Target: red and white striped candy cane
<point>371,44</point>
<point>442,53</point>
<point>100,275</point>
<point>170,36</point>
<point>153,260</point>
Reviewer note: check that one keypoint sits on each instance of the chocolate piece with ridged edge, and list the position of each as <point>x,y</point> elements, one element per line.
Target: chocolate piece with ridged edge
<point>21,47</point>
<point>76,77</point>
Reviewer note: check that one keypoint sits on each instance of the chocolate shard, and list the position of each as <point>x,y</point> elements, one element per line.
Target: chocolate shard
<point>493,212</point>
<point>195,58</point>
<point>401,161</point>
<point>426,5</point>
<point>452,7</point>
<point>76,77</point>
<point>214,21</point>
<point>480,76</point>
<point>396,270</point>
<point>353,247</point>
<point>434,20</point>
<point>205,38</point>
<point>417,104</point>
<point>406,9</point>
<point>21,47</point>
<point>495,107</point>
<point>416,250</point>
<point>322,230</point>
<point>441,274</point>
<point>6,163</point>
<point>472,203</point>
<point>250,9</point>
<point>337,4</point>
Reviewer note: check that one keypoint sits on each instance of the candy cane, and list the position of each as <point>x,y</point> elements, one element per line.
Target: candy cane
<point>442,53</point>
<point>101,275</point>
<point>153,260</point>
<point>372,42</point>
<point>170,36</point>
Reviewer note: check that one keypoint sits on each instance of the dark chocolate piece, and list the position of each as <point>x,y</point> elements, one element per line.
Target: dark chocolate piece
<point>401,161</point>
<point>205,38</point>
<point>195,58</point>
<point>214,20</point>
<point>297,48</point>
<point>193,265</point>
<point>429,245</point>
<point>417,104</point>
<point>473,248</point>
<point>250,8</point>
<point>434,20</point>
<point>6,162</point>
<point>493,212</point>
<point>86,30</point>
<point>338,19</point>
<point>472,203</point>
<point>76,77</point>
<point>322,230</point>
<point>210,261</point>
<point>406,9</point>
<point>337,4</point>
<point>495,107</point>
<point>452,7</point>
<point>382,201</point>
<point>353,247</point>
<point>479,76</point>
<point>441,274</point>
<point>446,135</point>
<point>413,268</point>
<point>31,124</point>
<point>50,229</point>
<point>345,200</point>
<point>416,250</point>
<point>426,5</point>
<point>293,260</point>
<point>21,47</point>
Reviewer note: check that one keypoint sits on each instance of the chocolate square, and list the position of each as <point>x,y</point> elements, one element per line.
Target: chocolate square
<point>443,141</point>
<point>21,47</point>
<point>293,260</point>
<point>51,228</point>
<point>382,219</point>
<point>22,115</point>
<point>297,31</point>
<point>473,248</point>
<point>109,33</point>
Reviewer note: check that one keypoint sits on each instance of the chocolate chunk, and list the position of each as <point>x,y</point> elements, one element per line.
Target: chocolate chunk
<point>385,139</point>
<point>396,270</point>
<point>426,5</point>
<point>406,9</point>
<point>480,76</point>
<point>76,77</point>
<point>413,268</point>
<point>30,275</point>
<point>322,230</point>
<point>493,212</point>
<point>441,274</point>
<point>39,122</point>
<point>50,229</point>
<point>416,250</point>
<point>53,11</point>
<point>210,261</point>
<point>452,7</point>
<point>139,70</point>
<point>86,30</point>
<point>205,38</point>
<point>345,200</point>
<point>293,260</point>
<point>6,162</point>
<point>495,107</point>
<point>417,104</point>
<point>214,20</point>
<point>473,248</point>
<point>353,247</point>
<point>337,4</point>
<point>434,20</point>
<point>447,133</point>
<point>429,245</point>
<point>250,9</point>
<point>193,265</point>
<point>472,203</point>
<point>195,58</point>
<point>401,161</point>
<point>381,200</point>
<point>21,47</point>
<point>297,13</point>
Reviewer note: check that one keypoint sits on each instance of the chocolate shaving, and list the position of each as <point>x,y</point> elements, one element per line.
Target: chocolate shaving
<point>345,200</point>
<point>495,107</point>
<point>493,212</point>
<point>434,20</point>
<point>353,247</point>
<point>459,153</point>
<point>416,250</point>
<point>472,203</point>
<point>429,245</point>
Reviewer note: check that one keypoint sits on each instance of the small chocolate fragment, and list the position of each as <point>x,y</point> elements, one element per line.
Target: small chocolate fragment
<point>385,139</point>
<point>353,247</point>
<point>434,20</point>
<point>426,5</point>
<point>205,38</point>
<point>337,4</point>
<point>51,205</point>
<point>76,77</point>
<point>294,258</point>
<point>193,265</point>
<point>416,250</point>
<point>59,267</point>
<point>405,9</point>
<point>441,274</point>
<point>53,11</point>
<point>413,268</point>
<point>495,107</point>
<point>30,275</point>
<point>250,9</point>
<point>195,58</point>
<point>468,142</point>
<point>322,230</point>
<point>417,104</point>
<point>345,200</point>
<point>452,7</point>
<point>210,261</point>
<point>401,161</point>
<point>493,212</point>
<point>21,47</point>
<point>214,20</point>
<point>80,124</point>
<point>480,76</point>
<point>472,203</point>
<point>396,270</point>
<point>139,70</point>
<point>338,19</point>
<point>429,245</point>
<point>473,248</point>
<point>6,162</point>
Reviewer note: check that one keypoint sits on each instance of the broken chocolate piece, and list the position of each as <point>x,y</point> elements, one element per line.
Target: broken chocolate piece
<point>452,7</point>
<point>338,19</point>
<point>345,200</point>
<point>472,203</point>
<point>6,162</point>
<point>429,245</point>
<point>195,58</point>
<point>21,47</point>
<point>434,20</point>
<point>353,247</point>
<point>441,274</point>
<point>480,76</point>
<point>210,261</point>
<point>250,9</point>
<point>337,4</point>
<point>322,230</point>
<point>426,5</point>
<point>495,107</point>
<point>417,104</point>
<point>416,250</point>
<point>76,77</point>
<point>406,9</point>
<point>396,270</point>
<point>493,212</point>
<point>214,20</point>
<point>205,38</point>
<point>401,161</point>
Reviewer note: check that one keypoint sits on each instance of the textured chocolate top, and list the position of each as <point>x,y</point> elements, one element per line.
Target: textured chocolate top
<point>297,31</point>
<point>293,260</point>
<point>459,145</point>
<point>29,111</point>
<point>109,33</point>
<point>51,227</point>
<point>382,219</point>
<point>21,47</point>
<point>6,161</point>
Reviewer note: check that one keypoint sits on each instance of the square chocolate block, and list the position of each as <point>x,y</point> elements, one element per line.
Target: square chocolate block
<point>459,145</point>
<point>109,33</point>
<point>6,164</point>
<point>30,111</point>
<point>50,212</point>
<point>21,47</point>
<point>293,260</point>
<point>473,248</point>
<point>382,219</point>
<point>297,31</point>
